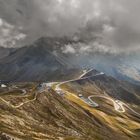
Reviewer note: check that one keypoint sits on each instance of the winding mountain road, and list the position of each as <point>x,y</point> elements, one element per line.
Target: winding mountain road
<point>118,105</point>
<point>132,110</point>
<point>21,104</point>
<point>76,79</point>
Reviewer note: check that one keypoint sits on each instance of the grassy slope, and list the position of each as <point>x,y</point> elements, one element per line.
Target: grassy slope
<point>53,117</point>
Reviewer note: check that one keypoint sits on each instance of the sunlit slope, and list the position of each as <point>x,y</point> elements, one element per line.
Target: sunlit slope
<point>49,116</point>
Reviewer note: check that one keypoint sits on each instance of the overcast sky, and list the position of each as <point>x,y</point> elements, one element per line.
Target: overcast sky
<point>115,22</point>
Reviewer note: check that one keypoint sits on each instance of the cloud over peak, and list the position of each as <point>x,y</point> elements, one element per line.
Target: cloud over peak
<point>9,34</point>
<point>113,23</point>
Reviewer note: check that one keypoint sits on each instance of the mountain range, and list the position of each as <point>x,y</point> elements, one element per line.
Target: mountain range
<point>46,57</point>
<point>51,93</point>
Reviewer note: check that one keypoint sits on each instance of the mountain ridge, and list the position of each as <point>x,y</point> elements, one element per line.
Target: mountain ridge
<point>45,57</point>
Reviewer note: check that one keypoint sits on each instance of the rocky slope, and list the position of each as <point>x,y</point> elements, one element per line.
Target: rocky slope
<point>54,117</point>
<point>37,62</point>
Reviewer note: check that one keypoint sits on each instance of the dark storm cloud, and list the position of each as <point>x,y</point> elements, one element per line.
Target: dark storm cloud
<point>114,23</point>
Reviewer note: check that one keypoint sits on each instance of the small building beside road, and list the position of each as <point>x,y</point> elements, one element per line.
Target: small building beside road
<point>3,86</point>
<point>80,95</point>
